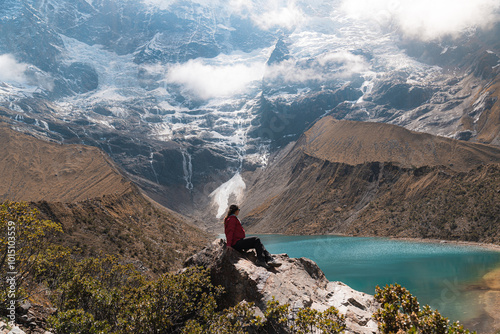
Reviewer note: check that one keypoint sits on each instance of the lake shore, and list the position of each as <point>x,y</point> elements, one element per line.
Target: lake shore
<point>484,245</point>
<point>489,321</point>
<point>493,247</point>
<point>491,298</point>
<point>484,288</point>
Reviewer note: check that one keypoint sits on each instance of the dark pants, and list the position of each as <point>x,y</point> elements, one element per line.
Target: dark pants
<point>253,242</point>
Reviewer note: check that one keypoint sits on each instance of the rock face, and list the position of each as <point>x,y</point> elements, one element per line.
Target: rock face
<point>298,282</point>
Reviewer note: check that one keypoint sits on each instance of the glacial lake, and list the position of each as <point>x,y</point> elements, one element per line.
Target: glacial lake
<point>443,275</point>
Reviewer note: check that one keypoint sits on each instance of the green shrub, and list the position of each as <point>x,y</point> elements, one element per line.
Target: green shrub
<point>400,313</point>
<point>77,321</point>
<point>168,303</point>
<point>24,242</point>
<point>277,317</point>
<point>97,295</point>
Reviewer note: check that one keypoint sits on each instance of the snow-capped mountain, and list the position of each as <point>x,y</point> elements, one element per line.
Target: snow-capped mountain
<point>186,95</point>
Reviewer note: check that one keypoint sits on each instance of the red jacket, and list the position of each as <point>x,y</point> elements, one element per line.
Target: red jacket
<point>233,229</point>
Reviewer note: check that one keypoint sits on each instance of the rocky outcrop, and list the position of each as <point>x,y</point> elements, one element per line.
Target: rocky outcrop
<point>6,329</point>
<point>298,282</point>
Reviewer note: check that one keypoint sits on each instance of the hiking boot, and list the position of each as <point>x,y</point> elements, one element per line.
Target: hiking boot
<point>261,263</point>
<point>273,263</point>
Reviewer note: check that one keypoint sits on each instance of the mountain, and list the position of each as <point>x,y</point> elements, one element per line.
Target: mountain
<point>373,179</point>
<point>185,96</point>
<point>99,209</point>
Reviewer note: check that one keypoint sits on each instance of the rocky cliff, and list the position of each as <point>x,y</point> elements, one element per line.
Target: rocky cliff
<point>298,282</point>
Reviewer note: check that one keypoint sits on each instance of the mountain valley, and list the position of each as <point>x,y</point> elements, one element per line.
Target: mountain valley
<point>134,124</point>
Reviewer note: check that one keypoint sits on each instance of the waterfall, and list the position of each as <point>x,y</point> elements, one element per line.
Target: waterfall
<point>187,167</point>
<point>151,158</point>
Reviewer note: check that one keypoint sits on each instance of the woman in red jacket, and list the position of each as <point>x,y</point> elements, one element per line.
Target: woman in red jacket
<point>235,236</point>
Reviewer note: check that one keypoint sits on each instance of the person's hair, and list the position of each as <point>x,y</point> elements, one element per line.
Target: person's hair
<point>232,210</point>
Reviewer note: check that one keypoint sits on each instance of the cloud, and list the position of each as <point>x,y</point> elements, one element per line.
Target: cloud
<point>11,71</point>
<point>207,81</point>
<point>284,14</point>
<point>426,19</point>
<point>326,67</point>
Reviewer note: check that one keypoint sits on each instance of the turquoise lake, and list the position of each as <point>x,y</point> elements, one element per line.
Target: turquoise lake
<point>439,274</point>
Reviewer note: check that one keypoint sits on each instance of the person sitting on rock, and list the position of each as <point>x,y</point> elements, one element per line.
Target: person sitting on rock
<point>235,237</point>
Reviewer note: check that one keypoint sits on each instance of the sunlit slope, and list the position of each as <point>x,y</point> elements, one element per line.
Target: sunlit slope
<point>356,143</point>
<point>35,170</point>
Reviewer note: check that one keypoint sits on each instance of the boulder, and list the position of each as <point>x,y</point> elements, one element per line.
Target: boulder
<point>298,282</point>
<point>6,329</point>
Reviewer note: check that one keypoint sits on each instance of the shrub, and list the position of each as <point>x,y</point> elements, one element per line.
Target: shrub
<point>168,303</point>
<point>99,295</point>
<point>24,242</point>
<point>77,321</point>
<point>400,313</point>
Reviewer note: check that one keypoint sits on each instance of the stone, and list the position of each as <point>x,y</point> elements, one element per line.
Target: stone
<point>298,282</point>
<point>16,330</point>
<point>24,307</point>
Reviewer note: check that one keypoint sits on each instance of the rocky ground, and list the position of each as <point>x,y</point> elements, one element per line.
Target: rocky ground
<point>298,282</point>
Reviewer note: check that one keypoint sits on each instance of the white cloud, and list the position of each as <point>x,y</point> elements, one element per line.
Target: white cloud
<point>239,6</point>
<point>276,13</point>
<point>12,71</point>
<point>426,19</point>
<point>207,81</point>
<point>326,67</point>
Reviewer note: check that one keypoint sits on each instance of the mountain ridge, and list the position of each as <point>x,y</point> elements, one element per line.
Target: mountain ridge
<point>98,207</point>
<point>355,143</point>
<point>40,170</point>
<point>225,86</point>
